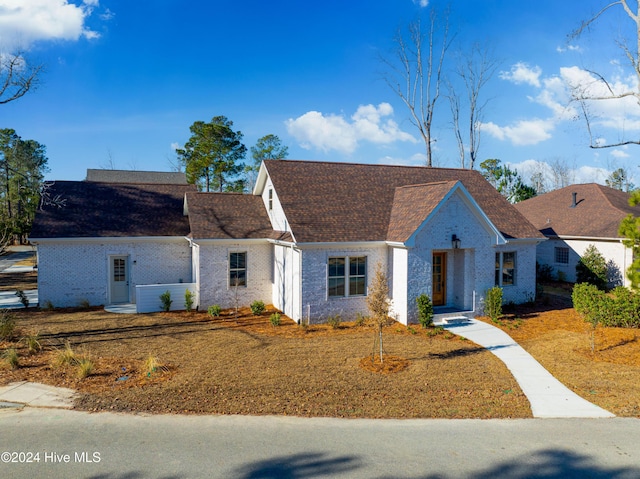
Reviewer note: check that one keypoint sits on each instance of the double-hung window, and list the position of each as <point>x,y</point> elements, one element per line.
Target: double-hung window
<point>347,276</point>
<point>237,269</point>
<point>505,268</point>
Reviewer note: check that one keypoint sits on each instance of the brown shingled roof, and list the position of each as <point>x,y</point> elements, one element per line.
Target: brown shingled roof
<point>112,210</point>
<point>597,214</point>
<point>335,202</point>
<point>412,205</point>
<point>229,216</point>
<point>133,176</point>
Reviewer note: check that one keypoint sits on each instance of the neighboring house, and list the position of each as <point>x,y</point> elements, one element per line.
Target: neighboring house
<point>309,239</point>
<point>128,176</point>
<point>574,217</point>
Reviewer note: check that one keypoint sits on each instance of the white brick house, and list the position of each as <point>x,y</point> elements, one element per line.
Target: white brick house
<point>307,240</point>
<point>575,217</point>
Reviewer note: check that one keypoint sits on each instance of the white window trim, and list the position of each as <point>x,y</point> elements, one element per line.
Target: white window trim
<point>245,269</point>
<point>347,291</point>
<point>515,268</point>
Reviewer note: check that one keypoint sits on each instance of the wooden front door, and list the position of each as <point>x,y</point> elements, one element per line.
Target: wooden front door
<point>439,296</point>
<point>119,279</point>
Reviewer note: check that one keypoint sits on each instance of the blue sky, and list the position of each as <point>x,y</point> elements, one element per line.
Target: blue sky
<point>124,80</point>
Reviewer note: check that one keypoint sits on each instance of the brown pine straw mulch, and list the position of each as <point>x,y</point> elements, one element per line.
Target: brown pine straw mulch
<point>245,365</point>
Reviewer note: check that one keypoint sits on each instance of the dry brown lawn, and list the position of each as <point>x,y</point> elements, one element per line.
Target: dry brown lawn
<point>246,366</point>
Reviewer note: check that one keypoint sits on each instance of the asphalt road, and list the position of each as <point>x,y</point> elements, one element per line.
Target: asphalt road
<point>71,444</point>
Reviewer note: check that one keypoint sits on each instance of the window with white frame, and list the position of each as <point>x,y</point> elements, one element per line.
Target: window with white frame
<point>238,269</point>
<point>347,276</point>
<point>562,255</point>
<point>505,268</point>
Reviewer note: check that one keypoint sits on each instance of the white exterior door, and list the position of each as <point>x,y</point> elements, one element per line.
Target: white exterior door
<point>119,279</point>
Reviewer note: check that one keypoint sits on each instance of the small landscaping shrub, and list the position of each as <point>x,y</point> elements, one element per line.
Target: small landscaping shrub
<point>85,367</point>
<point>32,343</point>
<point>619,308</point>
<point>23,298</point>
<point>48,306</point>
<point>425,310</point>
<point>166,300</point>
<point>84,304</point>
<point>7,324</point>
<point>257,308</point>
<point>493,303</point>
<point>65,357</point>
<point>274,319</point>
<point>544,272</point>
<point>334,321</point>
<point>188,300</point>
<point>214,311</point>
<point>592,268</point>
<point>11,358</point>
<point>361,319</point>
<point>152,365</point>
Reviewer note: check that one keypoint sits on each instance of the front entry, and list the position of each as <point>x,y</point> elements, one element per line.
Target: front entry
<point>119,279</point>
<point>439,280</point>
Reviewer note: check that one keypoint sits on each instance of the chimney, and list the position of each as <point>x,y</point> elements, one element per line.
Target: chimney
<point>574,202</point>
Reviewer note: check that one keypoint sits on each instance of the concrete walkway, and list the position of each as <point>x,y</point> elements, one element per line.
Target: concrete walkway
<point>548,397</point>
<point>33,394</point>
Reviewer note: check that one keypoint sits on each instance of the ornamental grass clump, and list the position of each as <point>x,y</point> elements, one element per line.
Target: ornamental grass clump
<point>11,358</point>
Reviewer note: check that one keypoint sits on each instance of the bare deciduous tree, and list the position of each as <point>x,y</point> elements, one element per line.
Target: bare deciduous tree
<point>599,89</point>
<point>17,77</point>
<point>474,69</point>
<point>416,72</point>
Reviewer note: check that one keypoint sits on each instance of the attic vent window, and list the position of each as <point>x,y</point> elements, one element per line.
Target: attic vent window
<point>270,199</point>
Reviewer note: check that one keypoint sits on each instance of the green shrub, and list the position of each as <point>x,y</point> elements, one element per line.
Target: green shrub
<point>11,358</point>
<point>48,306</point>
<point>188,300</point>
<point>7,324</point>
<point>592,268</point>
<point>84,304</point>
<point>493,303</point>
<point>334,321</point>
<point>619,308</point>
<point>257,308</point>
<point>544,272</point>
<point>425,310</point>
<point>166,300</point>
<point>214,311</point>
<point>22,296</point>
<point>274,319</point>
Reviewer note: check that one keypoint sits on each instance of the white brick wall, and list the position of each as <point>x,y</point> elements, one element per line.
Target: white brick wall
<point>76,271</point>
<point>614,251</point>
<point>214,274</point>
<point>314,282</point>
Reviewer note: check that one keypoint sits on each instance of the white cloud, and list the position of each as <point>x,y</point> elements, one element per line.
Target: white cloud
<point>619,154</point>
<point>334,132</point>
<point>24,22</point>
<point>523,73</point>
<point>421,3</point>
<point>522,132</point>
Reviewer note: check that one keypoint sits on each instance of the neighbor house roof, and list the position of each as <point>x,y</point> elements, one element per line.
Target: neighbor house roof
<point>84,209</point>
<point>597,212</point>
<point>229,216</point>
<point>127,176</point>
<point>348,202</point>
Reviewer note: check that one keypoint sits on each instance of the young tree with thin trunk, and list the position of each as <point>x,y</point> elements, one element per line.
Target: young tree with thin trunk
<point>416,72</point>
<point>378,304</point>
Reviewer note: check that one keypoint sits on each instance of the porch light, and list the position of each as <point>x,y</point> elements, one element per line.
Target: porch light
<point>455,242</point>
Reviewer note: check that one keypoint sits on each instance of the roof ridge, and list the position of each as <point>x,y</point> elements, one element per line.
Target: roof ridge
<point>431,183</point>
<point>372,164</point>
<point>606,196</point>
